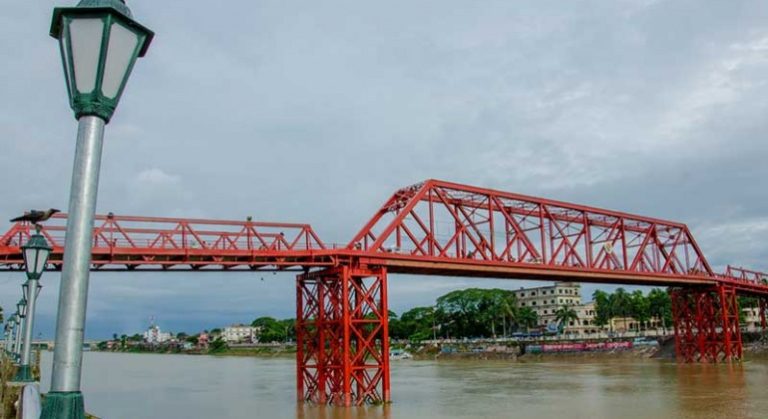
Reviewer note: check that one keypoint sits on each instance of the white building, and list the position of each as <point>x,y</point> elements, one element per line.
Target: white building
<point>752,320</point>
<point>154,335</point>
<point>545,301</point>
<point>240,333</point>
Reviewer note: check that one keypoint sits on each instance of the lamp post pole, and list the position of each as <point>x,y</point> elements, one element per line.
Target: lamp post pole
<point>7,337</point>
<point>17,341</point>
<point>11,336</point>
<point>36,252</point>
<point>99,42</point>
<point>73,292</point>
<point>25,371</point>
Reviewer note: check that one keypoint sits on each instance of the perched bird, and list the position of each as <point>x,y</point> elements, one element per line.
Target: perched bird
<point>36,216</point>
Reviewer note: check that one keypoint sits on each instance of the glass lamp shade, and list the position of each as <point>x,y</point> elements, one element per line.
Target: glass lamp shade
<point>21,308</point>
<point>36,252</point>
<point>99,43</point>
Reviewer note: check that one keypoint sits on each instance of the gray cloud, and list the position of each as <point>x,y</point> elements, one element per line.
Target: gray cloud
<point>317,112</point>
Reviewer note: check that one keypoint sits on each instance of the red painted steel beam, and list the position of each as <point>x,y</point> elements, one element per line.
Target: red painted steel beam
<point>431,228</point>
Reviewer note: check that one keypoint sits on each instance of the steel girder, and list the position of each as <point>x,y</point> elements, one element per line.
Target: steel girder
<point>706,322</point>
<point>342,333</point>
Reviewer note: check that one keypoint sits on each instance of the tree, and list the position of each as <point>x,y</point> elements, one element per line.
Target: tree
<point>272,330</point>
<point>462,309</point>
<point>660,307</point>
<point>418,323</point>
<point>603,309</point>
<point>218,345</point>
<point>564,315</point>
<point>527,318</point>
<point>640,308</point>
<point>621,305</point>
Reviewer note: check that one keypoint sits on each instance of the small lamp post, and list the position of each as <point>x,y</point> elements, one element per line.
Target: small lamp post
<point>36,252</point>
<point>9,335</point>
<point>99,42</point>
<point>21,314</point>
<point>14,334</point>
<point>15,337</point>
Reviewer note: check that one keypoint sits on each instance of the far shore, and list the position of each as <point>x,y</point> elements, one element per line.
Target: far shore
<point>754,349</point>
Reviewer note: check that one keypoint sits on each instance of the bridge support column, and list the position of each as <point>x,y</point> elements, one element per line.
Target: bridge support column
<point>342,336</point>
<point>706,324</point>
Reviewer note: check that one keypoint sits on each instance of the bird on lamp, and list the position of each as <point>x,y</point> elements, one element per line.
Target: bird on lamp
<point>36,216</point>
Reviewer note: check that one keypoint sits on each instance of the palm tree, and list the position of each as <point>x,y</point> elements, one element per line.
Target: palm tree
<point>564,315</point>
<point>527,317</point>
<point>508,308</point>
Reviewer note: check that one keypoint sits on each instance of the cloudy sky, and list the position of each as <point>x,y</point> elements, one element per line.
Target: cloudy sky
<point>316,111</point>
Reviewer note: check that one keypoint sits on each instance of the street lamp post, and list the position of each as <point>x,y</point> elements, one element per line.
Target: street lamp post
<point>14,334</point>
<point>99,42</point>
<point>7,335</point>
<point>21,313</point>
<point>11,334</point>
<point>36,252</point>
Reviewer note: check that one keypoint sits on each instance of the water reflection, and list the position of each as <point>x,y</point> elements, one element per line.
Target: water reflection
<point>308,411</point>
<point>709,391</point>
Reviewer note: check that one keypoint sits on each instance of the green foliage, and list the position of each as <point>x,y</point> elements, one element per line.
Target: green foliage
<point>527,318</point>
<point>475,312</point>
<point>273,330</point>
<point>660,306</point>
<point>603,310</point>
<point>416,324</point>
<point>564,315</point>
<point>217,346</point>
<point>656,305</point>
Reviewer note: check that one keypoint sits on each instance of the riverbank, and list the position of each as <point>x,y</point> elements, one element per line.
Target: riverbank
<point>754,348</point>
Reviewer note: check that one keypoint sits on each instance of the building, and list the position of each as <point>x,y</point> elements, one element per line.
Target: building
<point>751,318</point>
<point>240,333</point>
<point>203,341</point>
<point>545,301</point>
<point>153,335</point>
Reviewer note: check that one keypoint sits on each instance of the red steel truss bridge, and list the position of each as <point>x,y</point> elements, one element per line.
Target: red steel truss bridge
<point>431,228</point>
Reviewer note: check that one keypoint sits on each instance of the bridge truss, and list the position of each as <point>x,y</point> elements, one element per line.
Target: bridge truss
<point>431,228</point>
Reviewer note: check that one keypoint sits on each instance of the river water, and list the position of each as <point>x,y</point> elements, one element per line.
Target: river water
<point>133,386</point>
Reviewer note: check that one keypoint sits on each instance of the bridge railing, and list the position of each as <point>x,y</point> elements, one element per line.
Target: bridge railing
<point>115,233</point>
<point>745,275</point>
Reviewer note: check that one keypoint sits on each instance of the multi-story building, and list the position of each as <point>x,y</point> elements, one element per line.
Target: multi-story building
<point>546,300</point>
<point>240,333</point>
<point>153,335</point>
